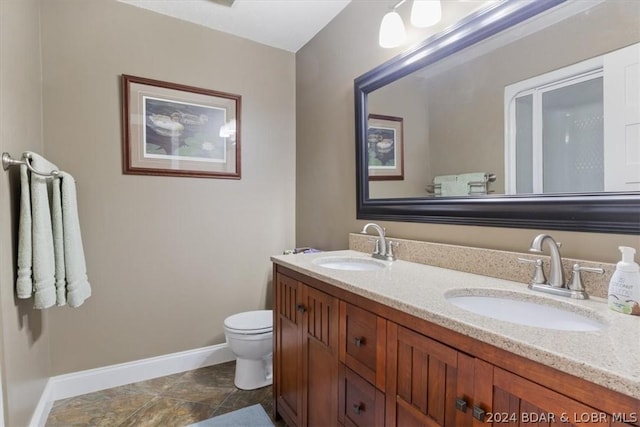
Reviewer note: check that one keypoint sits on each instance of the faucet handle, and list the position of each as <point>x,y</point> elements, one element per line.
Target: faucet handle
<point>575,282</point>
<point>538,274</point>
<point>390,245</point>
<point>377,242</point>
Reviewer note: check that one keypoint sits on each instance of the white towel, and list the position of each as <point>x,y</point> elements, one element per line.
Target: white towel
<point>51,263</point>
<point>42,235</point>
<point>473,177</point>
<point>58,242</point>
<point>476,182</point>
<point>78,287</point>
<point>458,185</point>
<point>24,283</point>
<point>445,178</point>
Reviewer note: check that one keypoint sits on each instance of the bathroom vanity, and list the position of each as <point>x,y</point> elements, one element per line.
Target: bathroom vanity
<point>380,343</point>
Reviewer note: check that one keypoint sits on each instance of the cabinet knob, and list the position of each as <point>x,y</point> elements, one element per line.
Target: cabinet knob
<point>301,308</point>
<point>479,413</point>
<point>358,408</point>
<point>359,341</point>
<point>461,404</point>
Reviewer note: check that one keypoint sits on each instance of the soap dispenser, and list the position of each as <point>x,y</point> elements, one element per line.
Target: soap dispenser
<point>624,287</point>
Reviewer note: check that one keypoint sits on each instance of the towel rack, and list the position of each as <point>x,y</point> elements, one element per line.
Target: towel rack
<point>481,187</point>
<point>8,161</point>
<point>474,188</point>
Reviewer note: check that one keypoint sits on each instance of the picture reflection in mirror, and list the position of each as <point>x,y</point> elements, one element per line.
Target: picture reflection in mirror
<point>549,106</point>
<point>385,147</point>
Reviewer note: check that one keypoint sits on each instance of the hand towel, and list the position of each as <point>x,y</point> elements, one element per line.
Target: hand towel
<point>454,188</point>
<point>51,263</point>
<point>451,185</point>
<point>473,177</point>
<point>78,287</point>
<point>24,283</point>
<point>477,182</point>
<point>444,178</point>
<point>58,242</point>
<point>42,234</point>
<point>458,185</point>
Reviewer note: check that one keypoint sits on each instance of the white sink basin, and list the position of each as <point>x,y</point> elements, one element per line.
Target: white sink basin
<point>349,263</point>
<point>515,309</point>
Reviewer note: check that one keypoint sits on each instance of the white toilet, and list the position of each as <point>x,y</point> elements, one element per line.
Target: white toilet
<point>250,338</point>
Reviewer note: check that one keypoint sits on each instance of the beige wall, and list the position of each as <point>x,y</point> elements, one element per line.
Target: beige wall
<point>402,99</point>
<point>25,333</point>
<point>325,206</point>
<point>168,257</point>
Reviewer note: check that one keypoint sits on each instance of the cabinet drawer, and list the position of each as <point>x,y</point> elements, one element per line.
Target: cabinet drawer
<point>363,343</point>
<point>361,336</point>
<point>363,403</point>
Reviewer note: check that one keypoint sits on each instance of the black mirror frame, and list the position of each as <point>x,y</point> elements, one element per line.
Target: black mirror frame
<point>590,212</point>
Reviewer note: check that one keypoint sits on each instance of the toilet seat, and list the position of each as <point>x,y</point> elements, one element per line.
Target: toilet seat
<point>250,322</point>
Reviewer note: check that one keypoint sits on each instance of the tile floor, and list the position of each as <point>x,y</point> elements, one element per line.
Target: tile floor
<point>172,401</point>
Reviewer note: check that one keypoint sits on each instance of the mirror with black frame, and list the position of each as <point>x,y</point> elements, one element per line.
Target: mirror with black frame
<point>524,114</point>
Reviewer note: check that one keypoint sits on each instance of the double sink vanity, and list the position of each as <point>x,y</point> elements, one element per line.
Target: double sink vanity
<point>365,341</point>
<point>422,334</point>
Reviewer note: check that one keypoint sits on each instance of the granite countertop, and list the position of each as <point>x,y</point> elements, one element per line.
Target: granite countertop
<point>609,356</point>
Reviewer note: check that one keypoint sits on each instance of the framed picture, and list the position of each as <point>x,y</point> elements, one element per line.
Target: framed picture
<point>385,148</point>
<point>177,130</point>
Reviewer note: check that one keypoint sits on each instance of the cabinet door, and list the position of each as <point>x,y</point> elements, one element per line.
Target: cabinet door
<point>287,361</point>
<point>520,402</point>
<point>422,380</point>
<point>320,353</point>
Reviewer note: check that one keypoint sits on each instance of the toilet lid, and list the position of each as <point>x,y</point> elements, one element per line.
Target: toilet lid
<point>250,322</point>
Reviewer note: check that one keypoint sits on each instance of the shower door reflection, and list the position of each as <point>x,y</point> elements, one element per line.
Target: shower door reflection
<point>567,134</point>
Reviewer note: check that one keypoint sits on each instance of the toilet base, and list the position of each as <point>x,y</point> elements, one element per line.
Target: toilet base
<point>252,374</point>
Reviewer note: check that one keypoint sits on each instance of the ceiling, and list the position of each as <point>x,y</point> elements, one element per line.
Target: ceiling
<point>284,24</point>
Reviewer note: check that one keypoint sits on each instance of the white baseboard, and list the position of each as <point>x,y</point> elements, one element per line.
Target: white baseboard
<point>77,383</point>
<point>39,417</point>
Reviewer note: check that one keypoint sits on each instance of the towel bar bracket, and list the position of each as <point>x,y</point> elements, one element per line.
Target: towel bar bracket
<point>8,161</point>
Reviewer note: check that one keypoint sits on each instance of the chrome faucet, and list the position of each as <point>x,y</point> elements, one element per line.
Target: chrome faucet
<point>556,272</point>
<point>383,249</point>
<point>555,284</point>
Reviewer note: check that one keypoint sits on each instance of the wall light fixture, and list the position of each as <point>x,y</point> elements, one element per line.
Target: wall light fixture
<point>424,13</point>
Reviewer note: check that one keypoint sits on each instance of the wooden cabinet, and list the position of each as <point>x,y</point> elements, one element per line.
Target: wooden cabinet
<point>422,381</point>
<point>518,401</point>
<point>432,384</point>
<point>306,354</point>
<point>287,361</point>
<point>341,359</point>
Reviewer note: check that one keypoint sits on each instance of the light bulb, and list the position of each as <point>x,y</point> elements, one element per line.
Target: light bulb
<point>425,13</point>
<point>392,32</point>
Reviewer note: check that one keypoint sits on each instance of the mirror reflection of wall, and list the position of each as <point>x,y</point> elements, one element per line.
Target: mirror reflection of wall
<point>405,102</point>
<point>454,112</point>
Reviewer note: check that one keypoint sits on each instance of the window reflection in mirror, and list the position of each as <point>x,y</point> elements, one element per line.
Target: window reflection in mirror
<point>456,115</point>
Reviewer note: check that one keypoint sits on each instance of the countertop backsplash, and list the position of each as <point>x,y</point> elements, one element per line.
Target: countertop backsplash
<point>486,262</point>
